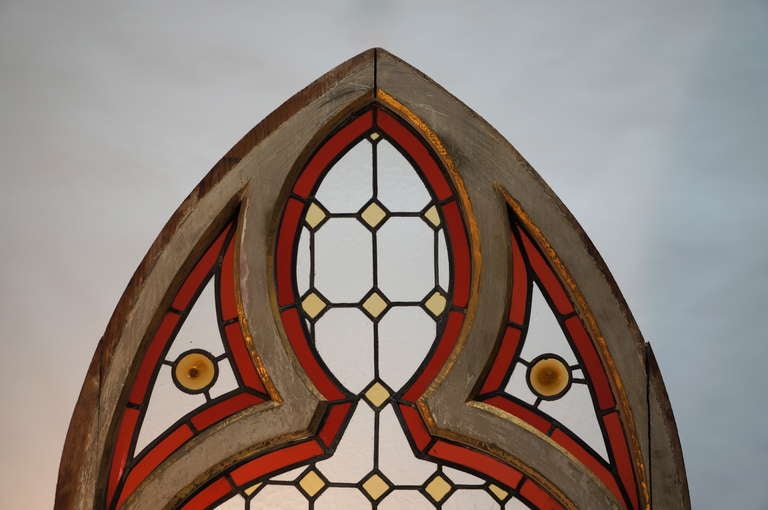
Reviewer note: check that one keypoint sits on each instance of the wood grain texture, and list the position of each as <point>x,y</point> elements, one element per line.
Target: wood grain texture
<point>669,483</point>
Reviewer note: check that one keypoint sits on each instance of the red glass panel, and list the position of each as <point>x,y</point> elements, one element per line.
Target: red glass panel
<point>335,418</point>
<point>457,238</point>
<point>274,461</point>
<point>592,364</point>
<point>320,378</point>
<point>538,496</point>
<point>122,449</point>
<point>152,357</point>
<point>284,257</point>
<point>242,357</point>
<point>503,360</point>
<point>621,454</point>
<point>476,461</point>
<point>153,458</point>
<point>417,430</point>
<point>546,276</point>
<point>444,348</point>
<point>221,410</point>
<point>192,284</point>
<point>519,298</point>
<point>209,495</point>
<point>227,297</point>
<point>521,411</point>
<point>588,460</point>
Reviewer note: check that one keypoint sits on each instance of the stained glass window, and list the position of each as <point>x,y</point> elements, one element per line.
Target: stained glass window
<point>371,302</point>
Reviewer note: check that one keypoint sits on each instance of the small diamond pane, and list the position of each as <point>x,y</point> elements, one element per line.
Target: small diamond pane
<point>311,483</point>
<point>435,303</point>
<point>315,215</point>
<point>377,394</point>
<point>253,488</point>
<point>373,215</point>
<point>375,304</point>
<point>313,305</point>
<point>375,486</point>
<point>497,492</point>
<point>432,216</point>
<point>438,488</point>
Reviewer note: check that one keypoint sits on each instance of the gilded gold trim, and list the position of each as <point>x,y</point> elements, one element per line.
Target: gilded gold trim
<point>597,337</point>
<point>274,395</point>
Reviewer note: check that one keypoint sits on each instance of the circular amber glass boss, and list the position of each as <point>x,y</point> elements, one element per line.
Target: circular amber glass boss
<point>549,376</point>
<point>195,371</point>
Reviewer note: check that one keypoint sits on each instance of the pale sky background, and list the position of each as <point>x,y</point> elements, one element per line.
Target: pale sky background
<point>649,120</point>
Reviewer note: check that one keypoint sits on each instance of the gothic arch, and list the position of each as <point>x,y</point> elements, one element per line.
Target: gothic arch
<point>508,237</point>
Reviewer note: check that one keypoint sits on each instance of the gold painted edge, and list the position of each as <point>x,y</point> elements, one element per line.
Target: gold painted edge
<point>272,391</point>
<point>585,313</point>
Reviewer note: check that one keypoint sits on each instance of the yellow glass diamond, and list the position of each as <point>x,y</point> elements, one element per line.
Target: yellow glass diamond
<point>313,305</point>
<point>433,216</point>
<point>375,486</point>
<point>438,488</point>
<point>375,136</point>
<point>373,215</point>
<point>375,304</point>
<point>435,303</point>
<point>498,493</point>
<point>253,488</point>
<point>311,483</point>
<point>377,394</point>
<point>315,215</point>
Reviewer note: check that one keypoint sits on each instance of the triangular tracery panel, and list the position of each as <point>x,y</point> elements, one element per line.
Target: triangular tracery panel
<point>548,373</point>
<point>195,372</point>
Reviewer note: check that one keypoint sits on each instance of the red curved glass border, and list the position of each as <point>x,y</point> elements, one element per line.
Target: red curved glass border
<point>341,402</point>
<point>127,472</point>
<point>529,265</point>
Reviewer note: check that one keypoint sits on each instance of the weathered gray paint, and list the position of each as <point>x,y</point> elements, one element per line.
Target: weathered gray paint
<point>256,170</point>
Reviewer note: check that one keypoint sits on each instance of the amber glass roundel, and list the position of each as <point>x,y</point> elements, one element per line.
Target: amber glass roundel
<point>194,371</point>
<point>549,376</point>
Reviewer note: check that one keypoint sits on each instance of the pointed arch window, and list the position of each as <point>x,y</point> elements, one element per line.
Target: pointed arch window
<point>371,302</point>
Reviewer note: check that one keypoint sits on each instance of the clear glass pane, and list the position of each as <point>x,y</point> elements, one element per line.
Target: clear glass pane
<point>354,455</point>
<point>471,499</point>
<point>406,259</point>
<point>201,327</point>
<point>348,184</point>
<point>400,187</point>
<point>303,262</point>
<point>279,496</point>
<point>166,405</point>
<point>402,499</point>
<point>343,260</point>
<point>544,332</point>
<point>575,410</point>
<point>405,336</point>
<point>337,498</point>
<point>344,339</point>
<point>396,459</point>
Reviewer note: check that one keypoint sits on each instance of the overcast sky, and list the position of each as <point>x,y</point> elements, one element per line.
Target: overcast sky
<point>648,120</point>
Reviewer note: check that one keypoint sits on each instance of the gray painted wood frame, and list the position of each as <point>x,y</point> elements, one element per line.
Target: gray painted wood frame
<point>256,174</point>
